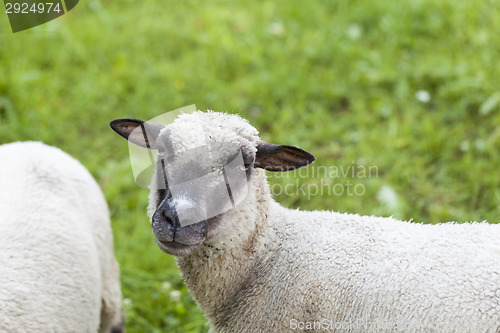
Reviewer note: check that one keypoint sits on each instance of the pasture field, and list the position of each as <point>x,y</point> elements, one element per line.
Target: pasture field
<point>398,100</point>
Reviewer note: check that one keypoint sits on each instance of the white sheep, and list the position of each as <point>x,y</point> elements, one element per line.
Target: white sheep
<point>260,267</point>
<point>58,271</point>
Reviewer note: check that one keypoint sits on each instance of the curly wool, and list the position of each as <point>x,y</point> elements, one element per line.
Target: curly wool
<point>272,269</point>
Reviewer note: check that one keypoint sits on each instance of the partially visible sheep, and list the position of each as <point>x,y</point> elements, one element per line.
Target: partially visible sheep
<point>260,267</point>
<point>58,272</point>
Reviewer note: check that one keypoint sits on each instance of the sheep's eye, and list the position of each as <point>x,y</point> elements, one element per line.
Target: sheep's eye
<point>245,167</point>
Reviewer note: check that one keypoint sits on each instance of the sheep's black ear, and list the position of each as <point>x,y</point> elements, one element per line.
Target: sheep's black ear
<point>281,157</point>
<point>141,133</point>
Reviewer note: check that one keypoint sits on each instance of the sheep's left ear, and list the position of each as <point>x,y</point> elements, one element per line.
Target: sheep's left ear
<point>141,133</point>
<point>281,157</point>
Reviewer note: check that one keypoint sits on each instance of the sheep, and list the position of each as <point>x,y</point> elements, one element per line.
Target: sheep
<point>260,267</point>
<point>58,271</point>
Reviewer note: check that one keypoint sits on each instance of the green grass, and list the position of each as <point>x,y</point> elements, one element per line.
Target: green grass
<point>336,78</point>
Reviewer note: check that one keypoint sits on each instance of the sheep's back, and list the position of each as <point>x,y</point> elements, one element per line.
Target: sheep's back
<point>381,271</point>
<point>53,224</point>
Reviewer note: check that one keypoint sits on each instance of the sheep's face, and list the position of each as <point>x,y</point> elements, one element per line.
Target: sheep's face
<point>204,170</point>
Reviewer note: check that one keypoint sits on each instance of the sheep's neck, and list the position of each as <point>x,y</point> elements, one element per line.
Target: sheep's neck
<point>217,282</point>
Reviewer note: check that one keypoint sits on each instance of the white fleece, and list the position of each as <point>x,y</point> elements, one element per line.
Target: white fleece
<point>271,269</point>
<point>58,271</point>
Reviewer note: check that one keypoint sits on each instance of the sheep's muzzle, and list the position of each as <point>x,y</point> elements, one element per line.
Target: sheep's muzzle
<point>173,238</point>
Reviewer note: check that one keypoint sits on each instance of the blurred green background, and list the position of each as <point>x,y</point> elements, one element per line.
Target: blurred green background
<point>410,88</point>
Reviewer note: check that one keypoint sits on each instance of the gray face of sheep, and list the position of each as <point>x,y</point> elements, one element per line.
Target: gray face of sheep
<point>203,183</point>
<point>192,189</point>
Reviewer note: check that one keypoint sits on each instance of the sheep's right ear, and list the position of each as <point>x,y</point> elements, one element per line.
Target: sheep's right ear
<point>281,157</point>
<point>141,133</point>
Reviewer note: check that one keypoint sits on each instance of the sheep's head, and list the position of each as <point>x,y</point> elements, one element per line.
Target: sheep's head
<point>205,168</point>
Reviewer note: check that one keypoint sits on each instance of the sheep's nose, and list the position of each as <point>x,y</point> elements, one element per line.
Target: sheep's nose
<point>169,218</point>
<point>164,225</point>
<point>166,216</point>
